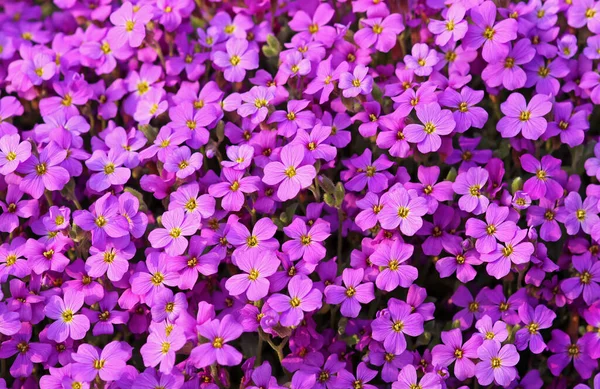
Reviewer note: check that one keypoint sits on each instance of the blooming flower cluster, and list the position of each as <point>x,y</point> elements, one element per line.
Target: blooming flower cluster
<point>272,194</point>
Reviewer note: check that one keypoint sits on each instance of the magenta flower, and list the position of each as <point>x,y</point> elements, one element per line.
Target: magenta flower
<point>356,83</point>
<point>236,60</point>
<point>391,257</point>
<point>108,363</point>
<point>302,298</point>
<point>380,32</point>
<point>68,323</point>
<point>586,279</point>
<point>44,172</point>
<point>422,59</point>
<point>402,209</point>
<point>453,350</point>
<point>130,24</point>
<point>288,173</point>
<point>497,364</point>
<point>489,34</point>
<point>352,294</point>
<point>543,183</point>
<point>103,221</point>
<point>435,121</point>
<point>453,27</point>
<point>565,351</point>
<point>533,320</point>
<point>513,251</point>
<point>12,153</point>
<point>408,379</point>
<point>177,225</point>
<point>257,265</point>
<point>315,28</point>
<point>218,333</point>
<point>470,185</point>
<point>392,327</point>
<point>160,349</point>
<point>109,168</point>
<point>496,226</point>
<point>578,214</point>
<point>522,117</point>
<point>371,174</point>
<point>151,282</point>
<point>306,243</point>
<point>233,189</point>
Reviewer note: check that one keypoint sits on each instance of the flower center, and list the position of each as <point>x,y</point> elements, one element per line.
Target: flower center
<point>23,347</point>
<point>235,60</point>
<point>40,169</point>
<point>175,232</point>
<point>109,168</point>
<point>143,87</point>
<point>109,256</point>
<point>253,275</point>
<point>252,241</point>
<point>491,229</point>
<point>429,128</point>
<point>508,250</point>
<point>509,62</point>
<point>543,71</point>
<point>524,116</point>
<point>290,171</point>
<point>403,212</point>
<point>190,205</point>
<point>585,277</point>
<point>350,292</point>
<point>313,28</point>
<point>235,185</point>
<point>129,25</point>
<point>305,239</point>
<point>474,306</point>
<point>11,259</point>
<point>460,259</point>
<point>356,83</point>
<point>377,29</point>
<point>67,316</point>
<point>533,328</point>
<point>580,215</point>
<point>393,265</point>
<point>458,353</point>
<point>157,279</point>
<point>475,190</point>
<point>590,13</point>
<point>541,174</point>
<point>398,326</point>
<point>573,350</point>
<point>496,362</point>
<point>259,103</point>
<point>170,307</point>
<point>164,348</point>
<point>489,33</point>
<point>295,302</point>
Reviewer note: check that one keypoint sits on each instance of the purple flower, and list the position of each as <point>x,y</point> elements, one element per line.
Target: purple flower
<point>352,294</point>
<point>407,379</point>
<point>237,60</point>
<point>302,298</point>
<point>469,185</point>
<point>566,351</point>
<point>586,279</point>
<point>403,209</point>
<point>44,172</point>
<point>435,121</point>
<point>177,225</point>
<point>12,153</point>
<point>543,184</point>
<point>369,173</point>
<point>257,265</point>
<point>514,251</point>
<point>130,24</point>
<point>103,221</point>
<point>288,173</point>
<point>522,117</point>
<point>357,82</point>
<point>306,243</point>
<point>108,363</point>
<point>110,171</point>
<point>422,60</point>
<point>233,189</point>
<point>390,257</point>
<point>487,33</point>
<point>68,323</point>
<point>315,28</point>
<point>534,320</point>
<point>380,32</point>
<point>391,327</point>
<point>453,350</point>
<point>577,213</point>
<point>497,364</point>
<point>496,226</point>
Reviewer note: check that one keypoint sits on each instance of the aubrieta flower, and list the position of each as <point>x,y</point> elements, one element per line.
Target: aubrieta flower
<point>470,185</point>
<point>497,364</point>
<point>391,327</point>
<point>257,265</point>
<point>302,298</point>
<point>177,225</point>
<point>454,350</point>
<point>435,121</point>
<point>522,117</point>
<point>288,173</point>
<point>352,294</point>
<point>359,82</point>
<point>68,323</point>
